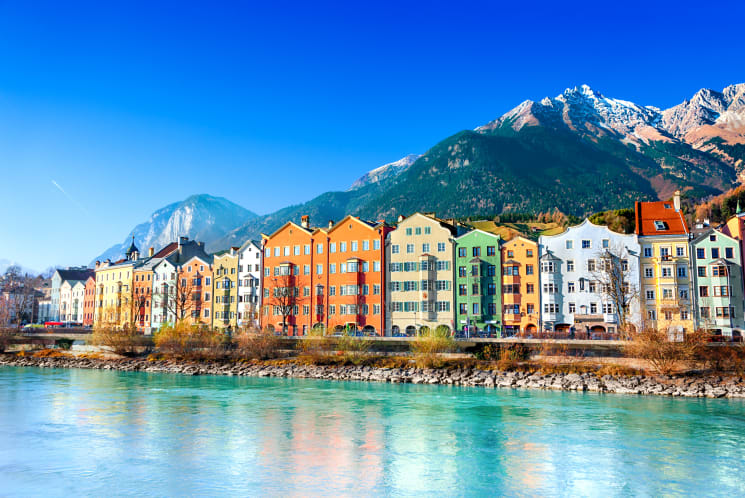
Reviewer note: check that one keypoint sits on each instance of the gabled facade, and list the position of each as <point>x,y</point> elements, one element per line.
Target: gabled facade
<point>421,248</point>
<point>293,260</point>
<point>520,286</point>
<point>196,278</point>
<point>578,278</point>
<point>225,290</point>
<point>353,283</point>
<point>478,284</point>
<point>89,304</point>
<point>249,284</point>
<point>163,302</point>
<point>665,266</point>
<point>718,283</point>
<point>143,294</point>
<point>72,273</point>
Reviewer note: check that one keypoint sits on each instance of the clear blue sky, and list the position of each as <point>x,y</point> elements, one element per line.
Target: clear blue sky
<point>130,106</point>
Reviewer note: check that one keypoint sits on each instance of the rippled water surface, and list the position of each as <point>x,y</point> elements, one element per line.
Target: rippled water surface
<point>84,432</point>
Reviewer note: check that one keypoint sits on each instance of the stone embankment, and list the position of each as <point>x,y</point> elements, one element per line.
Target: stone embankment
<point>688,386</point>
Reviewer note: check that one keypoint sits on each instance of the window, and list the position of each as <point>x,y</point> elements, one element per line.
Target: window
<point>306,249</point>
<point>729,253</point>
<point>332,290</point>
<point>332,267</point>
<point>462,290</point>
<point>680,251</point>
<point>440,247</point>
<point>714,253</point>
<point>425,247</point>
<point>443,266</point>
<point>409,248</point>
<point>395,286</point>
<point>528,269</point>
<point>511,288</point>
<point>572,308</point>
<point>395,249</point>
<point>647,252</point>
<point>606,243</point>
<point>376,309</point>
<point>442,285</point>
<point>332,309</point>
<point>530,309</point>
<point>474,270</point>
<point>354,246</point>
<point>651,314</point>
<point>547,267</point>
<point>491,289</point>
<point>684,294</point>
<point>586,244</point>
<point>667,272</point>
<point>376,265</point>
<point>664,252</point>
<point>463,308</point>
<point>462,252</point>
<point>319,248</point>
<point>376,289</point>
<point>721,290</point>
<point>510,254</point>
<point>570,265</point>
<point>319,269</point>
<point>570,287</point>
<point>491,270</point>
<point>491,251</point>
<point>376,244</point>
<point>408,231</point>
<point>667,293</point>
<point>550,308</point>
<point>418,230</point>
<point>649,272</point>
<point>529,288</point>
<point>296,250</point>
<point>593,308</point>
<point>511,270</point>
<point>332,247</point>
<point>660,225</point>
<point>701,271</point>
<point>703,291</point>
<point>550,288</point>
<point>342,247</point>
<point>592,286</point>
<point>682,271</point>
<point>427,230</point>
<point>475,289</point>
<point>569,244</point>
<point>684,314</point>
<point>590,265</point>
<point>276,251</point>
<point>476,251</point>
<point>719,271</point>
<point>267,252</point>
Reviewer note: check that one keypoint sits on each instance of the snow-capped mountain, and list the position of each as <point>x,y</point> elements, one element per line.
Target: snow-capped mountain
<point>585,110</point>
<point>386,171</point>
<point>201,217</point>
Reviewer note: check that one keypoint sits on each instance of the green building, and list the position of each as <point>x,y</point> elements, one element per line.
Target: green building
<point>718,283</point>
<point>478,284</point>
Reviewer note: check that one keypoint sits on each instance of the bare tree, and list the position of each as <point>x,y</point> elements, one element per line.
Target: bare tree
<point>18,296</point>
<point>618,283</point>
<point>286,296</point>
<point>178,299</point>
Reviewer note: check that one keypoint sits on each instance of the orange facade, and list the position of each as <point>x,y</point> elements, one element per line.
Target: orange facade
<point>89,303</point>
<point>290,267</point>
<point>520,289</point>
<point>332,278</point>
<point>354,286</point>
<point>196,273</point>
<point>142,286</point>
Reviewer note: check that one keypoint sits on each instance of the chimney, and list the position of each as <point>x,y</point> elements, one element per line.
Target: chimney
<point>98,263</point>
<point>381,222</point>
<point>151,252</point>
<point>305,221</point>
<point>331,224</point>
<point>182,240</point>
<point>676,201</point>
<point>400,218</point>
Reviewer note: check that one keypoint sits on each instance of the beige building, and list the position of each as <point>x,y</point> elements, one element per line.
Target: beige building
<point>420,254</point>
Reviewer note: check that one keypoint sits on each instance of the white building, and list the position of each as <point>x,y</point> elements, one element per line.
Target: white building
<point>249,282</point>
<point>587,272</point>
<point>71,301</point>
<point>164,292</point>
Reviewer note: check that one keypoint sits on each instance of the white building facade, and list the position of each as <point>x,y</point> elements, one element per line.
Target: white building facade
<point>249,284</point>
<point>587,273</point>
<point>164,291</point>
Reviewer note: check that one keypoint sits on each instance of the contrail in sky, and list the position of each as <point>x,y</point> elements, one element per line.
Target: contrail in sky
<point>70,197</point>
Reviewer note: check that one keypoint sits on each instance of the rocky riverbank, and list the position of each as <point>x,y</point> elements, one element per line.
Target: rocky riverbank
<point>688,386</point>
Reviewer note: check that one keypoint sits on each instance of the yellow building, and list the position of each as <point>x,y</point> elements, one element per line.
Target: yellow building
<point>113,302</point>
<point>225,289</point>
<point>665,266</point>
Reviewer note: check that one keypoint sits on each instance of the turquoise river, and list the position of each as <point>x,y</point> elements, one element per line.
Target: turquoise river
<point>102,433</point>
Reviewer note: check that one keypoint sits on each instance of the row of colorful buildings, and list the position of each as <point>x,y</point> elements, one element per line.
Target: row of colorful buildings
<point>426,272</point>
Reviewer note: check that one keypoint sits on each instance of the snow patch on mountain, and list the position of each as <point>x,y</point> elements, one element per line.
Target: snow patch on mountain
<point>386,171</point>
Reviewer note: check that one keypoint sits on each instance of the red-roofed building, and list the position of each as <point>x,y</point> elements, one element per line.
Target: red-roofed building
<point>665,266</point>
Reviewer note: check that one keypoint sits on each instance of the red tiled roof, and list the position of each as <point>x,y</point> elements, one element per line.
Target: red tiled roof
<point>647,213</point>
<point>167,250</point>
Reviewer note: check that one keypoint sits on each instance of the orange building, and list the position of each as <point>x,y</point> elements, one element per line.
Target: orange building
<point>520,289</point>
<point>196,278</point>
<point>293,262</point>
<point>354,285</point>
<point>89,303</point>
<point>142,289</point>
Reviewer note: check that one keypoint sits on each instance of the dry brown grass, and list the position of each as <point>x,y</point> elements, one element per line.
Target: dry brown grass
<point>665,356</point>
<point>428,346</point>
<point>127,341</point>
<point>189,342</point>
<point>49,353</point>
<point>257,344</point>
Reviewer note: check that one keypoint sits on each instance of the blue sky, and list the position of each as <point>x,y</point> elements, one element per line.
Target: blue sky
<point>131,106</point>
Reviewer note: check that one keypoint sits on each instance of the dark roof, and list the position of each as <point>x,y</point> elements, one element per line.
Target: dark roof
<point>167,250</point>
<point>76,274</point>
<point>132,247</point>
